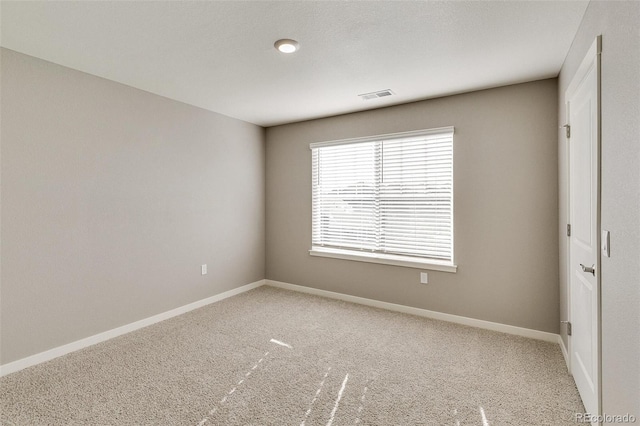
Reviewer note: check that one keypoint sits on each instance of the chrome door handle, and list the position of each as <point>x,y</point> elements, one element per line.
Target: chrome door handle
<point>588,269</point>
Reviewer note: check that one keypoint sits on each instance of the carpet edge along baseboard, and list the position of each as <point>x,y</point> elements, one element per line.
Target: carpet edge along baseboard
<point>56,352</point>
<point>472,322</point>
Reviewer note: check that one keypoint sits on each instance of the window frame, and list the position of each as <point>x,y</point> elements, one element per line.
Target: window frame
<point>385,258</point>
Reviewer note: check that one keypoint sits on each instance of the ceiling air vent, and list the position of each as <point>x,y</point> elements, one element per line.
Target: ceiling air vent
<point>375,95</point>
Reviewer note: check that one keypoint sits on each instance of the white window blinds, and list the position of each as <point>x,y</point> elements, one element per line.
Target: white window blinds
<point>391,195</point>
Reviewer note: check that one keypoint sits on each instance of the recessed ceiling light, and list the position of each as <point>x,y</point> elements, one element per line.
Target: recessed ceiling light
<point>286,45</point>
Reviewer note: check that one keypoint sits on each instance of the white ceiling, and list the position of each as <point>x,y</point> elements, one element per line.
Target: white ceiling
<point>220,55</point>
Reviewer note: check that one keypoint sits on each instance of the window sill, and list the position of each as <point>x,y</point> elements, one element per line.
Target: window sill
<point>385,259</point>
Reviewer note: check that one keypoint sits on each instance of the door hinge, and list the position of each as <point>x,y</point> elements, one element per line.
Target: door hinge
<point>568,230</point>
<point>567,129</point>
<point>568,327</point>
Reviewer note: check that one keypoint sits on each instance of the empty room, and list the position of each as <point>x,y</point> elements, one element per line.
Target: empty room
<point>319,212</point>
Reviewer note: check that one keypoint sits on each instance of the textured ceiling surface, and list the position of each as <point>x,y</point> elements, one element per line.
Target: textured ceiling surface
<point>220,55</point>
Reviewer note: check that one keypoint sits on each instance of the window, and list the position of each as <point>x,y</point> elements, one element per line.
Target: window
<point>385,199</point>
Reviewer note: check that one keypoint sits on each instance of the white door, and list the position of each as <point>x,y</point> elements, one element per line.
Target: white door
<point>584,259</point>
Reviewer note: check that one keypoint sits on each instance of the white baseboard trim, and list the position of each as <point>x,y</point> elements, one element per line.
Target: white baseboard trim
<point>565,352</point>
<point>487,325</point>
<point>50,354</point>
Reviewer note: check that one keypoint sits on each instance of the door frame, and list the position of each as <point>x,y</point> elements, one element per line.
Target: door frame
<point>592,55</point>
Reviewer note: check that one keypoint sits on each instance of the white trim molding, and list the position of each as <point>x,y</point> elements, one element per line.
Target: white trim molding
<point>565,353</point>
<point>472,322</point>
<point>588,61</point>
<point>449,130</point>
<point>50,354</point>
<point>385,259</point>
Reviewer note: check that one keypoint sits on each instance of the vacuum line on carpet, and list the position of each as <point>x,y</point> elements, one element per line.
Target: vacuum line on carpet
<point>315,397</point>
<point>455,413</point>
<point>224,399</point>
<point>485,422</point>
<point>364,392</point>
<point>335,406</point>
<point>278,342</point>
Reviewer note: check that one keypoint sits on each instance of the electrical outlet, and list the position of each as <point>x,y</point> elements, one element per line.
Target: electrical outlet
<point>424,278</point>
<point>204,269</point>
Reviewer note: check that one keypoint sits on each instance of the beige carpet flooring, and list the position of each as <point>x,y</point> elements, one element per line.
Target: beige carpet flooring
<point>227,364</point>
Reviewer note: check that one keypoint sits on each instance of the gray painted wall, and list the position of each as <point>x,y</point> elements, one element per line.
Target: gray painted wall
<point>506,207</point>
<point>112,198</point>
<point>620,79</point>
